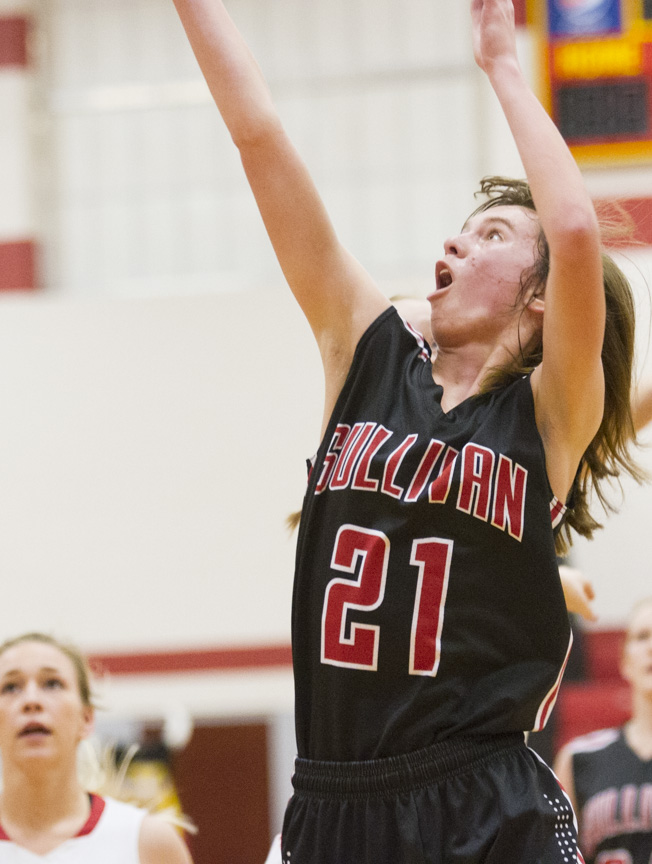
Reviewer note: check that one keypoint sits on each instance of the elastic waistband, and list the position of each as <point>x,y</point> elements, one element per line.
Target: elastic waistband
<point>347,780</point>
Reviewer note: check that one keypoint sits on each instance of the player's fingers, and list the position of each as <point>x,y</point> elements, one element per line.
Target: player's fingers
<point>586,610</point>
<point>589,589</point>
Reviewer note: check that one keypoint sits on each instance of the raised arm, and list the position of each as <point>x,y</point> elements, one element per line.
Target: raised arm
<point>569,384</point>
<point>336,294</point>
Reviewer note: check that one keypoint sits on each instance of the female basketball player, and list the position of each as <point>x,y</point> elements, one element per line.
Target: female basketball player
<point>608,774</point>
<point>429,625</point>
<point>45,813</point>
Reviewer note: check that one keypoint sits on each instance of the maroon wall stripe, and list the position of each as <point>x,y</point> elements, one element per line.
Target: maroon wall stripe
<point>207,660</point>
<point>13,40</point>
<point>519,9</point>
<point>17,265</point>
<point>603,649</point>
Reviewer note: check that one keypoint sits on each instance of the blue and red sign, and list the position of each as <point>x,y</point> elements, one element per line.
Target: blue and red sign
<point>577,18</point>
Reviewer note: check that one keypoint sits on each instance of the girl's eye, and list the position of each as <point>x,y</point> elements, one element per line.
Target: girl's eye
<point>494,234</point>
<point>53,683</point>
<point>9,687</point>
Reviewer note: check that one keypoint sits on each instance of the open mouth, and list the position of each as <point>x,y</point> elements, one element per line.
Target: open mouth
<point>444,276</point>
<point>34,729</point>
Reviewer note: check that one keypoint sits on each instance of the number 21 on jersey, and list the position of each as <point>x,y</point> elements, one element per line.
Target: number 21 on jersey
<point>365,552</point>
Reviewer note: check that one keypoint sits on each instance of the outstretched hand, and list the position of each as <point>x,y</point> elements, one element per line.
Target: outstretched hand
<point>578,592</point>
<point>494,31</point>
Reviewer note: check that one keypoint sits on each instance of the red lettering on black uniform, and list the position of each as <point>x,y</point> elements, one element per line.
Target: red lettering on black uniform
<point>509,497</point>
<point>475,488</point>
<point>362,481</point>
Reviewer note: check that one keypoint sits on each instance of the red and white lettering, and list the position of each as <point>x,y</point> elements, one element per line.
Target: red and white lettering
<point>509,497</point>
<point>424,470</point>
<point>366,552</point>
<point>645,807</point>
<point>599,819</point>
<point>491,485</point>
<point>361,480</point>
<point>433,558</point>
<point>369,550</point>
<point>337,442</point>
<point>388,486</point>
<point>475,487</point>
<point>628,797</point>
<point>441,485</point>
<point>354,443</point>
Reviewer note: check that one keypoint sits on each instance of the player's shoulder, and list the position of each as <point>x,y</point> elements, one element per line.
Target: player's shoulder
<point>391,332</point>
<point>161,843</point>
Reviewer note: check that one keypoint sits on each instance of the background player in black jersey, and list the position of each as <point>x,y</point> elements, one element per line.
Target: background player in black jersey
<point>429,625</point>
<point>608,773</point>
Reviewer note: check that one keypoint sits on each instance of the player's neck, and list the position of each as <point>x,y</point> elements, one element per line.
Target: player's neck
<point>461,371</point>
<point>38,800</point>
<point>638,732</point>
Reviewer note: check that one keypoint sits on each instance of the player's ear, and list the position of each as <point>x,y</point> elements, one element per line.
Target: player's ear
<point>88,721</point>
<point>536,304</point>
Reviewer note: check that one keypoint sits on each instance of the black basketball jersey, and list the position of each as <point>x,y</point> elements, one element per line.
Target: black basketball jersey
<point>427,600</point>
<point>613,789</point>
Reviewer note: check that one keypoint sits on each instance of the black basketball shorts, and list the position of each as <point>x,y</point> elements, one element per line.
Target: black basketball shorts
<point>476,800</point>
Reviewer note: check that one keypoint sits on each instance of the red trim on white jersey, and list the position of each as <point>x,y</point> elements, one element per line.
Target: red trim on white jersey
<point>97,808</point>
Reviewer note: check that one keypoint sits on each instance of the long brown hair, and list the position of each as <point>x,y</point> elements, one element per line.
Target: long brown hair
<point>608,456</point>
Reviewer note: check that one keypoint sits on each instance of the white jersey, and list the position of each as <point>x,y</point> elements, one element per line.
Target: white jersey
<point>110,836</point>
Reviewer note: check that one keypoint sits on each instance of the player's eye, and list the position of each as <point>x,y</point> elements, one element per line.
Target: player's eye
<point>53,684</point>
<point>9,687</point>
